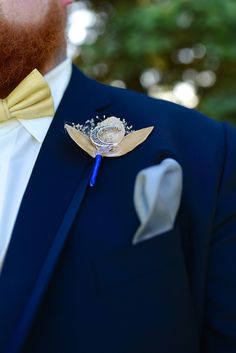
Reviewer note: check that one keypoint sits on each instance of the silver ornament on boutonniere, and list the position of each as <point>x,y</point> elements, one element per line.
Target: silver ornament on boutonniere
<point>111,137</point>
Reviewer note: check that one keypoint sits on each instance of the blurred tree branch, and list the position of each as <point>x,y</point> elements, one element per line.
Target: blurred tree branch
<point>182,39</point>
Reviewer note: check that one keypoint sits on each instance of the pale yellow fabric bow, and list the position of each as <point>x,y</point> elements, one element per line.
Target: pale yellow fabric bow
<point>30,99</point>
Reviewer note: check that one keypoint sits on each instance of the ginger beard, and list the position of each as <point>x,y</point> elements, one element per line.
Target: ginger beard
<point>26,47</point>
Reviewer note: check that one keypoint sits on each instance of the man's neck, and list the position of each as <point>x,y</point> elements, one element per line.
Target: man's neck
<point>58,59</point>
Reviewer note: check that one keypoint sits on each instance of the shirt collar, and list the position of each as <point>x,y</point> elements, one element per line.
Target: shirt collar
<point>58,80</point>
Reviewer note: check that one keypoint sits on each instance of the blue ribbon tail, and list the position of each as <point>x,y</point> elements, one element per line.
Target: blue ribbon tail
<point>97,164</point>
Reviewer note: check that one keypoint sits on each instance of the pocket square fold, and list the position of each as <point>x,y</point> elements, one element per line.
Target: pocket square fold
<point>157,196</point>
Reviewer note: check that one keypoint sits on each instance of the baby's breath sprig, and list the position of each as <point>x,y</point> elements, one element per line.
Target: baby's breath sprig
<point>106,137</point>
<point>90,125</point>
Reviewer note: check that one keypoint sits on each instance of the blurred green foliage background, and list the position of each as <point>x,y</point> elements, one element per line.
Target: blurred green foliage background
<point>182,50</point>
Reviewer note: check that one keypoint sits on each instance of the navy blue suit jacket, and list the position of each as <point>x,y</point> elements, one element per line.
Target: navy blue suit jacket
<point>73,282</point>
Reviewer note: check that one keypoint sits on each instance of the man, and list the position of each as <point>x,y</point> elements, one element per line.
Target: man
<point>90,270</point>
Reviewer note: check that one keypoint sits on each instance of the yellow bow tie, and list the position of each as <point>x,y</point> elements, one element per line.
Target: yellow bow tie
<point>30,99</point>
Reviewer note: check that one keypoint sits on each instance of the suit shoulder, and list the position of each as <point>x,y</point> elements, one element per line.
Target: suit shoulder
<point>145,109</point>
<point>173,120</point>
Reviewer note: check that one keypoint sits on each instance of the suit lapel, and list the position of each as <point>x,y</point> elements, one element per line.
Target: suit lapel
<point>51,201</point>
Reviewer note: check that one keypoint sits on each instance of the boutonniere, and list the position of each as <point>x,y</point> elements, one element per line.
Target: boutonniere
<point>110,137</point>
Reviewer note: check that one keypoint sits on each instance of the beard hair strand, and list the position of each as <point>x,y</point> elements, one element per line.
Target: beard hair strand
<point>26,47</point>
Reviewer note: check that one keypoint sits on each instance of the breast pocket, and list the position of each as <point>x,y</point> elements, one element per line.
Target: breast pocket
<point>152,257</point>
<point>143,297</point>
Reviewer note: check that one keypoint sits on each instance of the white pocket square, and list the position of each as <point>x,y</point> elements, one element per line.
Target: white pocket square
<point>157,195</point>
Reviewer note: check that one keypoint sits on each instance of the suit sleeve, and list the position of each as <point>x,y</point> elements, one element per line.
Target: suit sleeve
<point>220,329</point>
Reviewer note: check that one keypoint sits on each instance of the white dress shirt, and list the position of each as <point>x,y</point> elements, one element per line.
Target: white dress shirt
<point>20,143</point>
